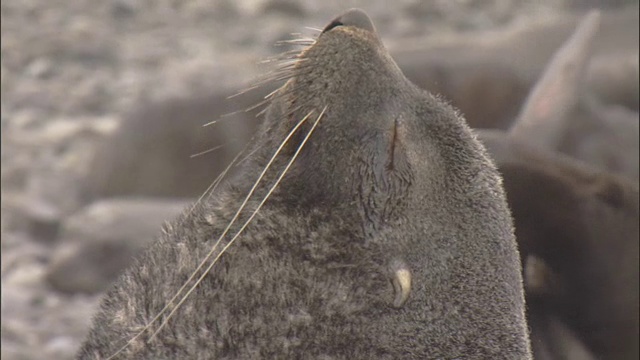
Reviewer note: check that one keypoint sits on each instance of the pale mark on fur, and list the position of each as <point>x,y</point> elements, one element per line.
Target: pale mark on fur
<point>401,281</point>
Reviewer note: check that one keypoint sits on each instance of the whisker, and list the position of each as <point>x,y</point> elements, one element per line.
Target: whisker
<point>289,61</point>
<point>267,99</point>
<point>284,56</point>
<point>271,94</point>
<point>208,151</point>
<point>212,188</point>
<point>301,41</point>
<point>208,192</point>
<point>226,230</point>
<point>288,68</point>
<point>267,79</point>
<point>293,158</point>
<point>222,117</point>
<point>260,103</point>
<point>215,121</point>
<point>229,115</point>
<point>248,156</point>
<point>276,94</point>
<point>244,91</point>
<point>285,75</point>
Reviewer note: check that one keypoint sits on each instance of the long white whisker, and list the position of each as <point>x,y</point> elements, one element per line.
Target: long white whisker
<point>211,122</point>
<point>295,155</point>
<point>208,151</point>
<point>255,185</point>
<point>210,190</point>
<point>244,91</point>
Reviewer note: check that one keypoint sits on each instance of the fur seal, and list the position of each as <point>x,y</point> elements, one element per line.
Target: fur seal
<point>377,229</point>
<point>576,226</point>
<point>583,224</point>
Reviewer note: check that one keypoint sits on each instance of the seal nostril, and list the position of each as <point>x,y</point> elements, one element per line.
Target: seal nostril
<point>334,23</point>
<point>354,17</point>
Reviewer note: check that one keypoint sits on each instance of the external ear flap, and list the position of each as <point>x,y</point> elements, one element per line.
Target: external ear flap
<point>544,115</point>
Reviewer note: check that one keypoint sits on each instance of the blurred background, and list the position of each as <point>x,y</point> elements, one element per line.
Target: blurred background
<point>103,102</point>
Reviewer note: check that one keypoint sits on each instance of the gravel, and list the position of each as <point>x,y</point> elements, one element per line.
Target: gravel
<point>71,68</point>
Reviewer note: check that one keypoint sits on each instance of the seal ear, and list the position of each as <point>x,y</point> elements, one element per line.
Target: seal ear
<point>353,17</point>
<point>543,118</point>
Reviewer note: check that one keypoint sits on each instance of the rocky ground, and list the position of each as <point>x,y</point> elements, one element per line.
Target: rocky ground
<point>71,68</point>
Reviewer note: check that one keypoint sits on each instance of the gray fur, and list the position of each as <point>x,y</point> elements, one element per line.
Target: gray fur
<point>390,173</point>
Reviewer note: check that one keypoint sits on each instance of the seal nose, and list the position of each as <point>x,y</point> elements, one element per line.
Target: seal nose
<point>353,17</point>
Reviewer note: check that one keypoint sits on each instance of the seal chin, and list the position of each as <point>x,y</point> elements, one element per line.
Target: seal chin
<point>353,17</point>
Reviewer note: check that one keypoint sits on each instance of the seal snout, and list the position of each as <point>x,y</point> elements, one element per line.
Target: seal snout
<point>353,17</point>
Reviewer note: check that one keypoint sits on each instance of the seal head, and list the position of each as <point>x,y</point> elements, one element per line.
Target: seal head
<point>385,232</point>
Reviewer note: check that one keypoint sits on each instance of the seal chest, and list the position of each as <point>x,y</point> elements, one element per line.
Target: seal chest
<point>367,222</point>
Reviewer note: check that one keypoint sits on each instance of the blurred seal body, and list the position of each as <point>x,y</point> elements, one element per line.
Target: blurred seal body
<point>388,237</point>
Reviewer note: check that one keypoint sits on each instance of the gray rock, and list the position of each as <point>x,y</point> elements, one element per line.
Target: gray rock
<point>605,136</point>
<point>43,220</point>
<point>284,7</point>
<point>155,150</point>
<point>615,78</point>
<point>102,239</point>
